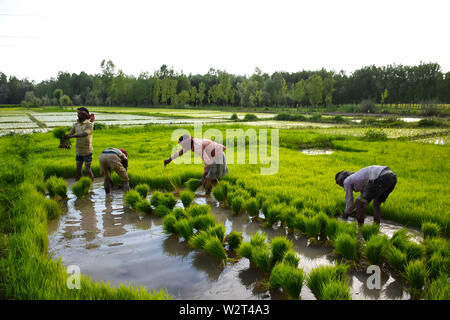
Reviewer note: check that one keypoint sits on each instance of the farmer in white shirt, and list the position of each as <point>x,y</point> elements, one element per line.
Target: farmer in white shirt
<point>374,182</point>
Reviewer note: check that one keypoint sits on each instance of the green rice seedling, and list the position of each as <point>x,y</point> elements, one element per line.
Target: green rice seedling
<point>321,275</point>
<point>161,210</point>
<point>215,248</point>
<point>56,186</point>
<point>220,192</point>
<point>300,222</point>
<point>430,230</point>
<point>396,258</point>
<point>144,206</point>
<point>288,215</point>
<point>336,290</point>
<point>414,250</point>
<point>368,230</point>
<point>143,190</point>
<point>439,245</point>
<point>237,204</point>
<point>52,208</point>
<point>346,246</point>
<point>203,221</point>
<point>234,240</point>
<point>259,239</point>
<point>193,184</point>
<point>199,239</point>
<point>438,289</point>
<point>184,228</point>
<point>132,197</point>
<point>195,210</point>
<point>331,229</point>
<point>260,198</point>
<point>169,222</point>
<point>416,274</point>
<point>274,213</point>
<point>261,257</point>
<point>291,259</point>
<point>245,250</point>
<point>312,227</point>
<point>375,248</point>
<point>279,247</point>
<point>308,212</point>
<point>180,213</point>
<point>252,207</point>
<point>438,264</point>
<point>400,239</point>
<point>218,230</point>
<point>298,204</point>
<point>81,188</point>
<point>60,133</point>
<point>156,198</point>
<point>349,228</point>
<point>187,197</point>
<point>287,277</point>
<point>168,199</point>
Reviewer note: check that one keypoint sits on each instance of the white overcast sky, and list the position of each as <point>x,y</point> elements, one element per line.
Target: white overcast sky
<point>40,38</point>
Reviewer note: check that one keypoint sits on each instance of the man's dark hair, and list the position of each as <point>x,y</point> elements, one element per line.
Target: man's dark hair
<point>83,109</point>
<point>342,175</point>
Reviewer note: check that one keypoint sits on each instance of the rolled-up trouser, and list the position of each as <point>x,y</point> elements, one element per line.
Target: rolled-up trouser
<point>110,161</point>
<point>218,169</point>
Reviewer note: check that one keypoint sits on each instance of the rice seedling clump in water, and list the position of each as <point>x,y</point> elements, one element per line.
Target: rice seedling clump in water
<point>430,230</point>
<point>252,207</point>
<point>195,210</point>
<point>214,247</point>
<point>396,258</point>
<point>169,222</point>
<point>218,230</point>
<point>438,264</point>
<point>279,247</point>
<point>52,208</point>
<point>161,210</point>
<point>438,289</point>
<point>291,259</point>
<point>346,246</point>
<point>375,248</point>
<point>287,277</point>
<point>198,240</point>
<point>187,197</point>
<point>143,190</point>
<point>144,206</point>
<point>312,227</point>
<point>416,274</point>
<point>321,275</point>
<point>132,197</point>
<point>56,186</point>
<point>336,290</point>
<point>237,204</point>
<point>234,240</point>
<point>81,188</point>
<point>168,199</point>
<point>368,230</point>
<point>259,239</point>
<point>193,184</point>
<point>261,257</point>
<point>245,250</point>
<point>414,250</point>
<point>220,192</point>
<point>203,221</point>
<point>184,228</point>
<point>156,198</point>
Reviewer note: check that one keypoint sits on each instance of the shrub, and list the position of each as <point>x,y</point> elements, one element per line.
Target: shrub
<point>234,117</point>
<point>237,204</point>
<point>193,184</point>
<point>336,290</point>
<point>261,257</point>
<point>279,247</point>
<point>214,247</point>
<point>416,274</point>
<point>291,259</point>
<point>187,197</point>
<point>252,207</point>
<point>375,135</point>
<point>169,222</point>
<point>195,210</point>
<point>144,206</point>
<point>346,246</point>
<point>184,228</point>
<point>368,230</point>
<point>375,248</point>
<point>143,190</point>
<point>287,277</point>
<point>132,197</point>
<point>81,188</point>
<point>203,221</point>
<point>250,117</point>
<point>161,210</point>
<point>245,250</point>
<point>367,106</point>
<point>430,229</point>
<point>396,258</point>
<point>316,117</point>
<point>234,240</point>
<point>338,119</point>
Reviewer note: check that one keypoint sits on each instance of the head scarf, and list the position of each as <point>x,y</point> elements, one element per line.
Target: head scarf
<point>124,152</point>
<point>85,111</point>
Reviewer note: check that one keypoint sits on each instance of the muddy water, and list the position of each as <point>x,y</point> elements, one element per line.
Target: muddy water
<point>111,242</point>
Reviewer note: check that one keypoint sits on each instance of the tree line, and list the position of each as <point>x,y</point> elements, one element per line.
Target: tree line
<point>388,84</point>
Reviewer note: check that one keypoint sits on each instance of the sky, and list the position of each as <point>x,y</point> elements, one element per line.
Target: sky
<point>40,38</point>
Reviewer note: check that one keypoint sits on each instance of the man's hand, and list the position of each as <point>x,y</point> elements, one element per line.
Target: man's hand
<point>167,161</point>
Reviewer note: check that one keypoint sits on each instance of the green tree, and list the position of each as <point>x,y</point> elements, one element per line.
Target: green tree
<point>384,96</point>
<point>314,88</point>
<point>298,92</point>
<point>58,93</point>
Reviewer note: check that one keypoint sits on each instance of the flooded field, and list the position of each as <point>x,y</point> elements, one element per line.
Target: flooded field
<point>111,242</point>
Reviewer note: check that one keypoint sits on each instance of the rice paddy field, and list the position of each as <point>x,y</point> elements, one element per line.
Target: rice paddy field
<point>255,236</point>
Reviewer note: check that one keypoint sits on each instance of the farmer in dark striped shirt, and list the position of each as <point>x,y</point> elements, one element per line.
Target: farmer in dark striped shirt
<point>117,160</point>
<point>374,182</point>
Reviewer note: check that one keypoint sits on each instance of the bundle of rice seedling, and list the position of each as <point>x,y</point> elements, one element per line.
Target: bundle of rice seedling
<point>416,274</point>
<point>187,197</point>
<point>438,289</point>
<point>245,250</point>
<point>438,264</point>
<point>143,190</point>
<point>215,248</point>
<point>298,204</point>
<point>203,222</point>
<point>400,239</point>
<point>161,210</point>
<point>430,230</point>
<point>193,184</point>
<point>237,204</point>
<point>56,186</point>
<point>321,275</point>
<point>274,213</point>
<point>195,210</point>
<point>300,222</point>
<point>261,257</point>
<point>439,245</point>
<point>132,197</point>
<point>180,213</point>
<point>368,230</point>
<point>312,227</point>
<point>52,208</point>
<point>81,188</point>
<point>287,277</point>
<point>289,216</point>
<point>396,258</point>
<point>291,259</point>
<point>199,239</point>
<point>234,240</point>
<point>375,248</point>
<point>168,199</point>
<point>144,206</point>
<point>156,198</point>
<point>331,229</point>
<point>60,133</point>
<point>346,246</point>
<point>336,290</point>
<point>279,247</point>
<point>220,191</point>
<point>259,239</point>
<point>218,230</point>
<point>414,250</point>
<point>252,207</point>
<point>184,228</point>
<point>169,222</point>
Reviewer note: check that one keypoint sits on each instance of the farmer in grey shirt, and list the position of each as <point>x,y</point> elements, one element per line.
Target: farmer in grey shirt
<point>374,182</point>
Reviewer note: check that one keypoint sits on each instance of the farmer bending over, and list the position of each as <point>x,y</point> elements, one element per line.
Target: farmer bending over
<point>117,160</point>
<point>212,153</point>
<point>82,130</point>
<point>374,182</point>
